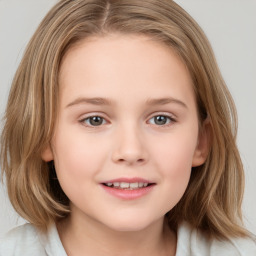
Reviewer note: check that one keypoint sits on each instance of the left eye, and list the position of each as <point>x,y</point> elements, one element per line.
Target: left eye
<point>160,120</point>
<point>94,121</point>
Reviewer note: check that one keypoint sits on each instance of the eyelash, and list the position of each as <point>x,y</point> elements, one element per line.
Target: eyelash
<point>170,121</point>
<point>83,121</point>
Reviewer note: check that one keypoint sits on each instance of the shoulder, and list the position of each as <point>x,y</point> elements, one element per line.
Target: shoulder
<point>193,242</point>
<point>22,240</point>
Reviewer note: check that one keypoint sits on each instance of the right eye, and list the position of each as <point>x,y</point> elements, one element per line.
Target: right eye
<point>93,121</point>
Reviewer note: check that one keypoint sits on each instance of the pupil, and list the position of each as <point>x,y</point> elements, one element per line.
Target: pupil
<point>96,120</point>
<point>160,120</point>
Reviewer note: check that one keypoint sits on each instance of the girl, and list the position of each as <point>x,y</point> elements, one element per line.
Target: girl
<point>119,137</point>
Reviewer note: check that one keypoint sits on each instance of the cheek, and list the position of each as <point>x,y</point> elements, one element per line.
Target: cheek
<point>77,161</point>
<point>176,168</point>
<point>175,153</point>
<point>76,165</point>
<point>173,159</point>
<point>77,154</point>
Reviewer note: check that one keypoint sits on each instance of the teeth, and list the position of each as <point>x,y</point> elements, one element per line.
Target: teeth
<point>134,185</point>
<point>126,185</point>
<point>116,184</point>
<point>141,184</point>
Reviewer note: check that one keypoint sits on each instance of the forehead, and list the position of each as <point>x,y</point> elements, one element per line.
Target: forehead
<point>133,64</point>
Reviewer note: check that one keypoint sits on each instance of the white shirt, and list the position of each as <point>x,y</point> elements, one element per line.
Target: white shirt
<point>26,240</point>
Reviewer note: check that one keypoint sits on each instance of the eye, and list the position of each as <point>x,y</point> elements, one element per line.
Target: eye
<point>161,120</point>
<point>94,121</point>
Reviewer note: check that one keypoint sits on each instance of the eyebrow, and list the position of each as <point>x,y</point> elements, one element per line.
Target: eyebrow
<point>164,101</point>
<point>94,101</point>
<point>104,101</point>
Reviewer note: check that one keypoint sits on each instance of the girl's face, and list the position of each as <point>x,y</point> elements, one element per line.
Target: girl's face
<point>127,131</point>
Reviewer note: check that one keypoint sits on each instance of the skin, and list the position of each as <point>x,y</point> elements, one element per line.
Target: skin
<point>129,72</point>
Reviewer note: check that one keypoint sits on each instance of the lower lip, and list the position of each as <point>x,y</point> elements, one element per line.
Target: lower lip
<point>128,194</point>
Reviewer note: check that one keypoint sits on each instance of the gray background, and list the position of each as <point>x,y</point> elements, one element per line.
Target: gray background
<point>231,28</point>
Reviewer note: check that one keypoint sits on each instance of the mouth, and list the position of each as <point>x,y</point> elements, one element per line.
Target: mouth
<point>128,185</point>
<point>128,189</point>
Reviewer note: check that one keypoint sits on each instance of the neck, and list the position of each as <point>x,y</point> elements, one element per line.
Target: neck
<point>83,237</point>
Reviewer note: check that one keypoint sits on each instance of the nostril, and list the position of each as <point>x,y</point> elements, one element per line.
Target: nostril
<point>140,160</point>
<point>128,156</point>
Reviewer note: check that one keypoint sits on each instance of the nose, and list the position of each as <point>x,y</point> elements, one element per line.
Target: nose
<point>129,147</point>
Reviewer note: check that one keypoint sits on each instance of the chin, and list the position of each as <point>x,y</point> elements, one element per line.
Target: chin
<point>131,224</point>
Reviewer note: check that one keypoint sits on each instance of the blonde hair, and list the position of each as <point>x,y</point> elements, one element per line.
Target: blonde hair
<point>212,201</point>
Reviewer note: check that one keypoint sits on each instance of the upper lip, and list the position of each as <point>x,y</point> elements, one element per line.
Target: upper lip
<point>128,180</point>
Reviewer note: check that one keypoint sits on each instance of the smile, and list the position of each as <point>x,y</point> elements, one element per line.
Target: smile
<point>128,189</point>
<point>126,185</point>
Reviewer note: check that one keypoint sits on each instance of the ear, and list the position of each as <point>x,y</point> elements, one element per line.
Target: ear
<point>203,144</point>
<point>47,154</point>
